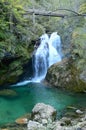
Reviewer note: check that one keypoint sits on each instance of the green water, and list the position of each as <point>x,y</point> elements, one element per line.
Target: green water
<point>28,95</point>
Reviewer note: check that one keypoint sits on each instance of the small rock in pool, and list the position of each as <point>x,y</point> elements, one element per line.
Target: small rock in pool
<point>79,111</point>
<point>21,121</point>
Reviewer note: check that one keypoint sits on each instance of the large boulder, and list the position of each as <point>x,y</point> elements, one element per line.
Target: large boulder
<point>65,75</point>
<point>43,113</point>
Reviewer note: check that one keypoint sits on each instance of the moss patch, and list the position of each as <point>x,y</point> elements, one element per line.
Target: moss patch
<point>66,76</point>
<point>7,93</point>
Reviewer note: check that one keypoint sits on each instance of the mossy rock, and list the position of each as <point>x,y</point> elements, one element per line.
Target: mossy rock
<point>8,93</point>
<point>65,75</point>
<point>10,74</point>
<point>10,77</point>
<point>13,126</point>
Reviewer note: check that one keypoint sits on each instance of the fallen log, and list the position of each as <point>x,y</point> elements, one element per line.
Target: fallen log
<point>52,14</point>
<point>44,13</point>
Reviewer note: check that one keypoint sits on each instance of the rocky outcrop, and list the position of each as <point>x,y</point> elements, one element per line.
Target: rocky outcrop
<point>43,113</point>
<point>33,125</point>
<point>43,117</point>
<point>66,76</point>
<point>14,69</point>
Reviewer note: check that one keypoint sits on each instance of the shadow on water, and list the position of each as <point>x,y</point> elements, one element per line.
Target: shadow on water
<point>32,93</point>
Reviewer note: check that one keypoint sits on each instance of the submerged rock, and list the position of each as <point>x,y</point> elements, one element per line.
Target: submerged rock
<point>21,121</point>
<point>4,129</point>
<point>79,111</point>
<point>8,93</point>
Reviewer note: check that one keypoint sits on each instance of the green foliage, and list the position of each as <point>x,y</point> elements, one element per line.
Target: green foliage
<point>12,25</point>
<point>79,42</point>
<point>82,9</point>
<point>17,30</point>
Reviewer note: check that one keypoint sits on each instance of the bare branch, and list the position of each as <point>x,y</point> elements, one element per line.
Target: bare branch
<point>51,13</point>
<point>69,11</point>
<point>44,13</point>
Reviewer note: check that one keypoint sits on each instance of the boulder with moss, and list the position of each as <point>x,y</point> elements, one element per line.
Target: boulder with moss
<point>65,75</point>
<point>70,73</point>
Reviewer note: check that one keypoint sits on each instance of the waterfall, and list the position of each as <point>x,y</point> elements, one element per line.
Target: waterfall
<point>41,58</point>
<point>54,48</point>
<point>47,53</point>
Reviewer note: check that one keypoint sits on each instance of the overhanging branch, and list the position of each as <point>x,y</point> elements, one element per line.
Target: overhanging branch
<point>44,13</point>
<point>52,14</point>
<point>69,11</point>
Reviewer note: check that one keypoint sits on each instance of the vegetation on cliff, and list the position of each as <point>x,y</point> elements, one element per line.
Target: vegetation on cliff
<point>72,74</point>
<point>16,33</point>
<point>18,29</point>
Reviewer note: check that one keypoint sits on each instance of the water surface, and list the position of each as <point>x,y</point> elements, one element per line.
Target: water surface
<point>28,95</point>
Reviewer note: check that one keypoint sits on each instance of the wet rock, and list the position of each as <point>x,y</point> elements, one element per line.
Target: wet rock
<point>21,121</point>
<point>14,126</point>
<point>66,121</point>
<point>71,107</point>
<point>81,124</point>
<point>44,121</point>
<point>57,126</point>
<point>79,111</point>
<point>43,113</point>
<point>33,125</point>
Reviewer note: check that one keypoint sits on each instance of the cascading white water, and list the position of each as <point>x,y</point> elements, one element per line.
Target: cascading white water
<point>54,45</point>
<point>47,54</point>
<point>40,58</point>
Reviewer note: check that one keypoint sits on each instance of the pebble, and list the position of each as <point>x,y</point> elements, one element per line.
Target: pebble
<point>79,111</point>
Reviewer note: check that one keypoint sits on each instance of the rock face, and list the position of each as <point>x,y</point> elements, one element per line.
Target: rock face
<point>43,113</point>
<point>14,69</point>
<point>66,76</point>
